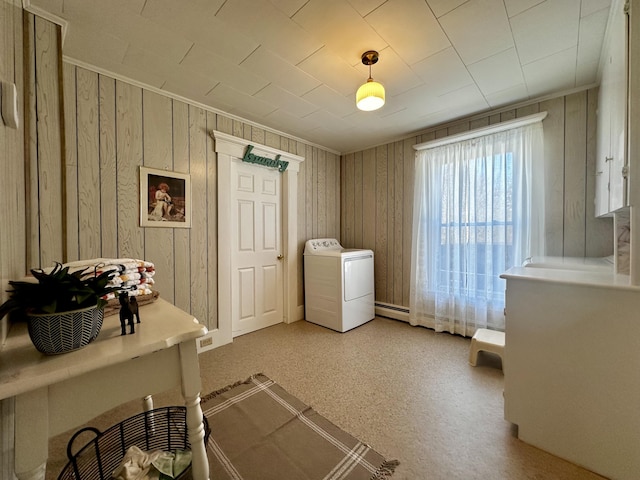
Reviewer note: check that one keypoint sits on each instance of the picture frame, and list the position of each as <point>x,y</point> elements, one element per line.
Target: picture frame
<point>165,198</point>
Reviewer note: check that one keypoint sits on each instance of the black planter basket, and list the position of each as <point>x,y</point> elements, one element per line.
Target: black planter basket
<point>159,429</point>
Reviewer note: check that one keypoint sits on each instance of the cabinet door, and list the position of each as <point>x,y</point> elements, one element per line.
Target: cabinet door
<point>604,142</point>
<point>618,123</point>
<point>611,183</point>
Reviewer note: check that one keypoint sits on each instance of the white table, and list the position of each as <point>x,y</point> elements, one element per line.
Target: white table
<point>54,394</point>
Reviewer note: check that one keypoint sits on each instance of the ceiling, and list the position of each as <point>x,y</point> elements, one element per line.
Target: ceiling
<point>294,65</point>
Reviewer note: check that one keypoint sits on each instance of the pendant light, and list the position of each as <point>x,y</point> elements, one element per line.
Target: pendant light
<point>370,96</point>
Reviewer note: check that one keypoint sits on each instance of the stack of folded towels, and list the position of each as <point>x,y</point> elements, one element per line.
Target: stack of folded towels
<point>131,275</point>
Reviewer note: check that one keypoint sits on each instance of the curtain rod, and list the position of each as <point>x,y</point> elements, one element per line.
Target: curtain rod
<point>478,132</point>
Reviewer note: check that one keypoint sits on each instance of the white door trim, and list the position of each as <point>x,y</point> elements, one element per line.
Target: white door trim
<point>228,147</point>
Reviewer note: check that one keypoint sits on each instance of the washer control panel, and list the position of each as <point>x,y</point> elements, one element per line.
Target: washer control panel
<point>318,245</point>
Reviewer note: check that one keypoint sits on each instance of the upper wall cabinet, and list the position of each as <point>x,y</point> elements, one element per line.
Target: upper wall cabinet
<point>611,162</point>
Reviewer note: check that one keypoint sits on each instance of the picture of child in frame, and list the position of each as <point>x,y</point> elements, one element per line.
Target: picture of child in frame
<point>166,199</point>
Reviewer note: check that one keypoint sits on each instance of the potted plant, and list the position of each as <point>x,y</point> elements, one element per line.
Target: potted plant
<point>63,310</point>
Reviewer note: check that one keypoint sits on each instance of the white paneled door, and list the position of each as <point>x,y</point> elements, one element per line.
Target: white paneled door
<point>256,273</point>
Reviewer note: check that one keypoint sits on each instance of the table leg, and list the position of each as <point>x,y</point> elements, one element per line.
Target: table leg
<point>31,434</point>
<point>147,403</point>
<point>191,385</point>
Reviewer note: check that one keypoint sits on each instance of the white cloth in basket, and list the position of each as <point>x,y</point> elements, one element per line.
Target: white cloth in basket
<point>137,465</point>
<point>140,465</point>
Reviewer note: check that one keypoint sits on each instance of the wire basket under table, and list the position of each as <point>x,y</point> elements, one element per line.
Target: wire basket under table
<point>159,429</point>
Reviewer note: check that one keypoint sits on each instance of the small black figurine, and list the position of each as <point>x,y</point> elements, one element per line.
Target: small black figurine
<point>128,309</point>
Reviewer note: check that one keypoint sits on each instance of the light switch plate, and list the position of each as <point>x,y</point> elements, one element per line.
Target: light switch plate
<point>9,99</point>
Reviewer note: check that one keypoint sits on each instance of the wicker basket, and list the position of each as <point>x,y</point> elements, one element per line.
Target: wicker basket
<point>65,331</point>
<point>159,429</point>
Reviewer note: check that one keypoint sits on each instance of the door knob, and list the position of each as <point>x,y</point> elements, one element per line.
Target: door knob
<point>280,257</point>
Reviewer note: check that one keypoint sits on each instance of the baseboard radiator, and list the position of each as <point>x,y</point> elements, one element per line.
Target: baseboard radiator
<point>392,311</point>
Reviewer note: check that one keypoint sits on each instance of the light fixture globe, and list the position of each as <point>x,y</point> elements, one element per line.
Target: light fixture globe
<point>370,96</point>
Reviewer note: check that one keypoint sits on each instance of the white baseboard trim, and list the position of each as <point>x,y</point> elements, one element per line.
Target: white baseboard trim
<point>395,312</point>
<point>216,338</point>
<point>212,339</point>
<point>299,314</point>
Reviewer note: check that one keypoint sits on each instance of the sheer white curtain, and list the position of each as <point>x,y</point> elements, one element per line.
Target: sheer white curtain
<point>478,210</point>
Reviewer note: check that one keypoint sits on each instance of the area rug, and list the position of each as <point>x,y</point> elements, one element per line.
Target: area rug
<point>261,432</point>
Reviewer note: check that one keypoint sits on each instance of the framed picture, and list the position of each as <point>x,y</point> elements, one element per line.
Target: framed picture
<point>165,198</point>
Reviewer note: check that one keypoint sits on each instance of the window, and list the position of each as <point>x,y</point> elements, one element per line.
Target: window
<point>476,232</point>
<point>474,218</point>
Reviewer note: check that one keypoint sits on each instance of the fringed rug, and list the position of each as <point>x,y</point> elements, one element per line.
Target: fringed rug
<point>261,432</point>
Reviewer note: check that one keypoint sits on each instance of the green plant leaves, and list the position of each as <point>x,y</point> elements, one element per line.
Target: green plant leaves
<point>58,291</point>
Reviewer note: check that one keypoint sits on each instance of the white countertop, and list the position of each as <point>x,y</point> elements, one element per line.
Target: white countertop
<point>595,278</point>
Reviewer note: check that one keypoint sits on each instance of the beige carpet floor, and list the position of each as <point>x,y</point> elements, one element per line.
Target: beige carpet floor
<point>408,392</point>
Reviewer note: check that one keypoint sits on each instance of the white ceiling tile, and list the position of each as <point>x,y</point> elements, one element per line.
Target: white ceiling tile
<point>410,26</point>
<point>392,72</point>
<point>284,121</point>
<point>586,73</point>
<point>555,71</point>
<point>280,72</point>
<point>591,36</point>
<point>257,58</point>
<point>220,69</point>
<point>369,121</point>
<point>510,95</point>
<point>340,28</point>
<point>192,87</point>
<point>333,71</point>
<point>94,46</point>
<point>262,21</point>
<point>390,108</point>
<point>591,6</point>
<point>420,101</point>
<point>200,25</point>
<point>131,28</point>
<point>135,73</point>
<point>191,80</point>
<point>514,7</point>
<point>441,7</point>
<point>478,29</point>
<point>249,106</point>
<point>560,20</point>
<point>289,7</point>
<point>331,100</point>
<point>288,102</point>
<point>343,140</point>
<point>465,100</point>
<point>152,37</point>
<point>365,7</point>
<point>321,117</point>
<point>137,58</point>
<point>498,72</point>
<point>443,72</point>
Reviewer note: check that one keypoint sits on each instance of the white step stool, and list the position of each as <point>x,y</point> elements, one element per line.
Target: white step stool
<point>487,341</point>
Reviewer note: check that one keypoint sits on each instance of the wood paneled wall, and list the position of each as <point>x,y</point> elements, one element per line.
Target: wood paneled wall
<point>12,170</point>
<point>112,128</point>
<point>44,145</point>
<point>377,190</point>
<point>87,205</point>
<point>12,198</point>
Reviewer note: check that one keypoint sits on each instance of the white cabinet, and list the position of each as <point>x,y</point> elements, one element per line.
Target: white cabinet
<point>611,183</point>
<point>572,366</point>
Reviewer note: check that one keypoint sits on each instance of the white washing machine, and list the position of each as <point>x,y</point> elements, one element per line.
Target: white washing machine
<point>338,284</point>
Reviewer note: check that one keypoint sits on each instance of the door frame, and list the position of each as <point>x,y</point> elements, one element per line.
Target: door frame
<point>229,148</point>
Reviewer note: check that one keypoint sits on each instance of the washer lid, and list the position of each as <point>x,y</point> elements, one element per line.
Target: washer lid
<point>322,246</point>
